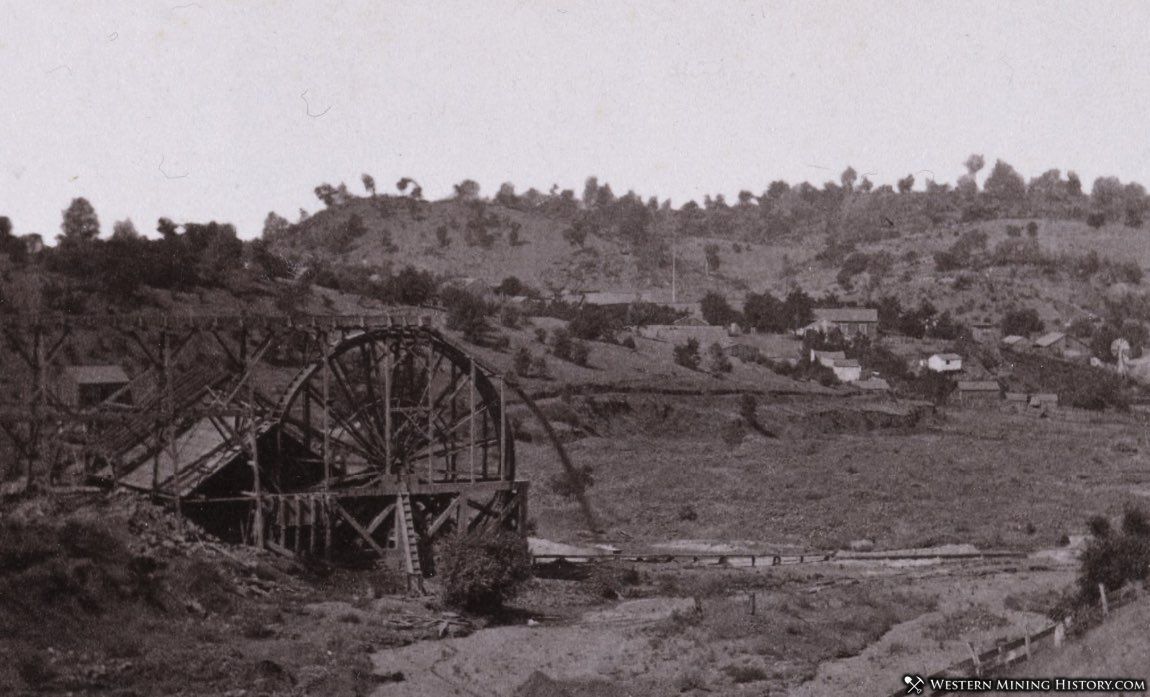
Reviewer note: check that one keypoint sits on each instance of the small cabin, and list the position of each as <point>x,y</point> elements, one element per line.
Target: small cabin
<point>944,363</point>
<point>977,391</point>
<point>84,386</point>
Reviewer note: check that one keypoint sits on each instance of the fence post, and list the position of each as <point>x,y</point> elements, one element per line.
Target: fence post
<point>1105,604</point>
<point>974,658</point>
<point>1059,634</point>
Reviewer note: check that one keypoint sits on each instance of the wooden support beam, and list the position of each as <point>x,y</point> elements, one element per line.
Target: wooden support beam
<point>379,519</point>
<point>359,529</point>
<point>471,392</point>
<point>443,517</point>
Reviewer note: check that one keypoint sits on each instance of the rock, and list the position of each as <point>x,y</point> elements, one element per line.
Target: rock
<point>863,545</point>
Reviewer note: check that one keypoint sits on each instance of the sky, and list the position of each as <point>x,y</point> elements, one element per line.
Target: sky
<point>226,110</point>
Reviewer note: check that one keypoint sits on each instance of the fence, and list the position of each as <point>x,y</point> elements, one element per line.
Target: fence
<point>1010,653</point>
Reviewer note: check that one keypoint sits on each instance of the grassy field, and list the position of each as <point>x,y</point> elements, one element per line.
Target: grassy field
<point>668,468</point>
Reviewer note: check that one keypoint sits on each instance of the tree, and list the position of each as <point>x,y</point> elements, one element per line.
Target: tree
<point>764,312</point>
<point>590,191</point>
<point>798,309</point>
<point>80,222</point>
<point>576,234</point>
<point>441,236</point>
<point>974,165</point>
<point>124,230</point>
<point>467,190</point>
<point>275,226</point>
<point>10,244</point>
<point>866,185</point>
<point>1005,184</point>
<point>368,183</point>
<point>848,178</point>
<point>1107,196</point>
<point>717,311</point>
<point>711,251</point>
<point>906,184</point>
<point>416,189</point>
<point>1021,322</point>
<point>506,195</point>
<point>746,198</point>
<point>717,360</point>
<point>1073,183</point>
<point>687,355</point>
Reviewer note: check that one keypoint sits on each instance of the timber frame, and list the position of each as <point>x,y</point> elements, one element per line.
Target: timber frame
<point>347,436</point>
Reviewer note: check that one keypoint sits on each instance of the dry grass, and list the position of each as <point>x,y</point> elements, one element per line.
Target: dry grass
<point>986,478</point>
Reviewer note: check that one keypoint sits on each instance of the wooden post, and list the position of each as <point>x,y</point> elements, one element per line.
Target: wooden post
<point>387,413</point>
<point>258,522</point>
<point>974,659</point>
<point>326,445</point>
<point>1105,604</point>
<point>1026,640</point>
<point>502,428</point>
<point>471,391</point>
<point>40,386</point>
<point>170,429</point>
<point>752,603</point>
<point>430,419</point>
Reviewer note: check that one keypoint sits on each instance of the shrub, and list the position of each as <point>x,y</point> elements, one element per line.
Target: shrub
<point>687,355</point>
<point>687,512</point>
<point>744,674</point>
<point>510,317</point>
<point>748,406</point>
<point>572,484</point>
<point>1096,219</point>
<point>718,360</point>
<point>467,314</point>
<point>1113,558</point>
<point>1021,322</point>
<point>541,335</point>
<point>628,342</point>
<point>481,571</point>
<point>522,362</point>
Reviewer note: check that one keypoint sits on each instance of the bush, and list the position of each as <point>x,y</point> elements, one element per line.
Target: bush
<point>510,317</point>
<point>687,355</point>
<point>522,363</point>
<point>569,349</point>
<point>687,512</point>
<point>467,314</point>
<point>481,571</point>
<point>718,360</point>
<point>572,484</point>
<point>1112,558</point>
<point>1096,219</point>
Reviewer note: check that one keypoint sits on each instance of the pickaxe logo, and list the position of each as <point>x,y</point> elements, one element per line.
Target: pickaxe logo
<point>914,684</point>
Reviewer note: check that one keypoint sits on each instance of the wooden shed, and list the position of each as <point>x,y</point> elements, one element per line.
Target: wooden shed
<point>83,386</point>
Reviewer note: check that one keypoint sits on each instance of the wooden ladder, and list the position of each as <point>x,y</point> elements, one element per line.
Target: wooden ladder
<point>409,542</point>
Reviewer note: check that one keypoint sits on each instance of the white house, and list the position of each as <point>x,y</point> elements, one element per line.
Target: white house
<point>944,363</point>
<point>827,358</point>
<point>847,370</point>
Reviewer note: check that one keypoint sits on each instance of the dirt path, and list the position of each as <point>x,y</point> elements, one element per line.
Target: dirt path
<point>493,662</point>
<point>975,610</point>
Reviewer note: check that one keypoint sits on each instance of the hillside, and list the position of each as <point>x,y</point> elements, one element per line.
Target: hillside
<point>857,248</point>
